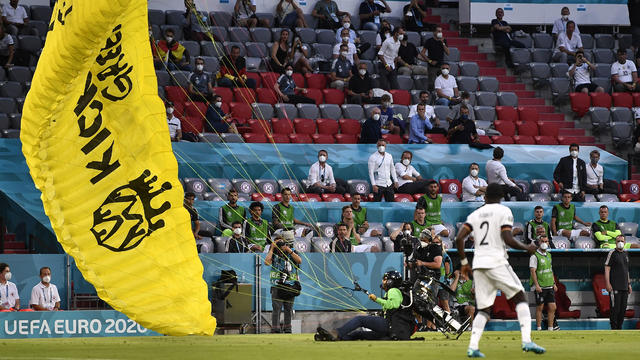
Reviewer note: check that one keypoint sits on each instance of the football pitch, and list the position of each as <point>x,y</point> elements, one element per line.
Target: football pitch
<point>565,345</point>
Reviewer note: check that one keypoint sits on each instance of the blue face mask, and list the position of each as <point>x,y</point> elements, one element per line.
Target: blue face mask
<point>464,117</point>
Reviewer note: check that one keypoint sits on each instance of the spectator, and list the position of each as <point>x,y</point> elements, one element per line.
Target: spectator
<point>200,88</point>
<point>636,132</point>
<point>173,54</point>
<point>473,186</point>
<point>414,13</point>
<point>409,179</point>
<point>7,49</point>
<point>9,298</point>
<point>445,272</point>
<point>407,55</point>
<point>403,232</point>
<point>349,219</point>
<point>390,124</point>
<point>239,243</point>
<point>281,53</point>
<point>580,73</point>
<point>381,173</point>
<point>257,229</point>
<point>560,25</point>
<point>15,19</point>
<point>328,14</point>
<point>353,36</point>
<point>463,130</point>
<point>465,294</point>
<point>194,21</point>
<point>618,282</point>
<point>605,231</point>
<point>341,243</point>
<point>301,57</point>
<point>433,51</point>
<point>175,126</point>
<point>428,258</point>
<point>370,11</point>
<point>502,36</point>
<point>419,223</point>
<point>283,213</point>
<point>321,177</point>
<point>233,71</point>
<point>44,296</point>
<point>360,89</point>
<point>360,216</point>
<point>289,15</point>
<point>244,13</point>
<point>388,55</point>
<point>562,218</point>
<point>284,263</point>
<point>216,120</point>
<point>446,87</point>
<point>569,42</point>
<point>383,34</point>
<point>417,125</point>
<point>429,113</point>
<point>624,74</point>
<point>189,199</point>
<point>571,174</point>
<point>231,211</point>
<point>465,99</point>
<point>371,131</point>
<point>286,88</point>
<point>497,173</point>
<point>532,227</point>
<point>543,283</point>
<point>352,52</point>
<point>432,203</point>
<point>595,176</point>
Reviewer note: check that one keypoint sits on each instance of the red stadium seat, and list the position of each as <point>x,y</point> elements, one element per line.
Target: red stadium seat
<point>195,109</point>
<point>316,81</point>
<point>505,127</point>
<point>327,126</point>
<point>304,126</point>
<point>622,99</point>
<point>178,110</point>
<point>563,302</point>
<point>507,113</point>
<point>176,94</point>
<point>546,140</point>
<point>260,126</point>
<point>602,298</point>
<point>528,114</point>
<point>309,197</point>
<point>628,197</point>
<point>438,138</point>
<point>402,198</point>
<point>392,139</point>
<point>315,94</point>
<point>333,96</point>
<point>401,97</point>
<point>323,139</point>
<point>282,126</point>
<point>502,139</point>
<point>262,197</point>
<point>600,99</point>
<point>630,187</point>
<point>226,93</point>
<point>256,77</point>
<point>294,197</point>
<point>245,95</point>
<point>636,102</point>
<point>483,139</point>
<point>546,128</point>
<point>524,140</point>
<point>255,138</point>
<point>346,138</point>
<point>528,128</point>
<point>269,79</point>
<point>417,197</point>
<point>280,138</point>
<point>568,140</point>
<point>503,308</point>
<point>349,126</point>
<point>267,96</point>
<point>299,79</point>
<point>192,124</point>
<point>332,198</point>
<point>580,103</point>
<point>300,139</point>
<point>451,186</point>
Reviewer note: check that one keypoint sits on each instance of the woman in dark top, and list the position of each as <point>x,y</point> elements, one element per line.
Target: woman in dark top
<point>216,119</point>
<point>280,53</point>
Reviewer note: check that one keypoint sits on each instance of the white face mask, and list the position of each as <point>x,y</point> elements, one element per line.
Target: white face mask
<point>574,154</point>
<point>169,39</point>
<point>474,173</point>
<point>322,158</point>
<point>344,53</point>
<point>46,279</point>
<point>381,149</point>
<point>400,37</point>
<point>150,33</point>
<point>218,104</point>
<point>199,67</point>
<point>406,162</point>
<point>445,72</point>
<point>439,35</point>
<point>169,110</point>
<point>346,25</point>
<point>565,17</point>
<point>376,117</point>
<point>544,246</point>
<point>362,72</point>
<point>289,72</point>
<point>620,245</point>
<point>7,276</point>
<point>237,231</point>
<point>345,39</point>
<point>407,232</point>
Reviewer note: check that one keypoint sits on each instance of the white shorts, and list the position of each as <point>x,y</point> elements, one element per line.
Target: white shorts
<point>574,234</point>
<point>361,248</point>
<point>437,229</point>
<point>488,281</point>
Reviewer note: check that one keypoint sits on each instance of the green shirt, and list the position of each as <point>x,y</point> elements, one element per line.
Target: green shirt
<point>464,296</point>
<point>530,230</point>
<point>609,240</point>
<point>564,217</point>
<point>257,232</point>
<point>359,216</point>
<point>228,215</point>
<point>392,301</point>
<point>544,271</point>
<point>432,207</point>
<point>417,228</point>
<point>284,214</point>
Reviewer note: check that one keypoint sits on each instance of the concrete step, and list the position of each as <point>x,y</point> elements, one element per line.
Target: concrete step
<point>572,132</point>
<point>457,42</point>
<point>472,56</point>
<point>544,109</point>
<point>508,79</point>
<point>530,101</point>
<point>486,63</point>
<point>511,87</point>
<point>553,117</point>
<point>484,71</point>
<point>525,93</point>
<point>586,140</point>
<point>15,245</point>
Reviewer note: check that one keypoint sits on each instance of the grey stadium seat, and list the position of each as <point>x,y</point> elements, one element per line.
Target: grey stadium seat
<point>524,185</point>
<point>541,186</point>
<point>11,89</point>
<point>468,68</point>
<point>262,111</point>
<point>308,36</point>
<point>254,64</point>
<point>604,82</point>
<point>604,56</point>
<point>368,109</point>
<point>213,49</point>
<point>326,229</point>
<point>485,113</point>
<point>205,245</point>
<point>373,241</point>
<point>267,186</point>
<point>286,111</point>
<point>220,244</point>
<point>321,244</point>
<point>414,38</point>
<point>11,134</point>
<point>405,82</point>
<point>421,82</point>
<point>209,138</point>
<point>174,17</point>
<point>628,228</point>
<point>602,70</point>
<point>587,41</point>
<point>401,110</point>
<point>467,83</point>
<point>526,40</point>
<point>392,226</point>
<point>621,114</point>
<point>302,245</point>
<point>330,111</point>
<point>589,198</point>
<point>352,111</point>
<point>556,197</point>
<point>43,13</point>
<point>4,122</point>
<point>293,185</point>
<point>243,186</point>
<point>506,98</point>
<point>542,41</point>
<point>211,64</point>
<point>31,44</point>
<point>561,242</point>
<point>415,95</point>
<point>15,120</point>
<point>426,35</point>
<point>219,186</point>
<point>7,105</point>
<point>488,83</point>
<point>559,89</point>
<point>441,111</point>
<point>239,34</point>
<point>450,198</point>
<point>454,55</point>
<point>308,111</point>
<point>256,49</point>
<point>156,17</point>
<point>486,98</point>
<point>195,185</point>
<point>540,73</point>
<point>559,70</point>
<point>454,69</point>
<point>541,55</point>
<point>193,47</point>
<point>324,51</point>
<point>325,36</point>
<point>621,134</point>
<point>359,186</point>
<point>164,79</point>
<point>260,35</point>
<point>600,118</point>
<point>584,242</point>
<point>229,44</point>
<point>520,56</point>
<point>177,31</point>
<point>539,197</point>
<point>607,198</point>
<point>181,78</point>
<point>604,41</point>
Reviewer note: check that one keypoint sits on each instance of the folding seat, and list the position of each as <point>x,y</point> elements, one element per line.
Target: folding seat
<point>507,98</point>
<point>219,34</point>
<point>469,68</point>
<point>240,110</point>
<point>323,139</point>
<point>4,122</point>
<point>307,35</point>
<point>299,79</point>
<point>7,106</point>
<point>282,126</point>
<point>231,138</point>
<point>195,109</point>
<point>621,134</point>
<point>421,82</point>
<point>587,41</point>
<point>467,83</point>
<point>621,114</point>
<point>506,128</point>
<point>539,197</point>
<point>488,83</point>
<point>628,197</point>
<point>346,138</point>
<point>546,128</point>
<point>622,100</point>
<point>304,126</point>
<point>414,38</point>
<point>11,134</point>
<point>450,186</point>
<point>402,198</point>
<point>259,126</point>
<point>330,111</point>
<point>163,78</point>
<point>269,79</point>
<point>359,186</point>
<point>286,111</point>
<point>401,97</point>
<point>485,113</point>
<point>520,56</point>
<point>322,50</point>
<point>600,99</point>
<point>602,70</point>
<point>308,111</point>
<point>559,89</point>
<point>195,185</point>
<point>333,96</point>
<point>438,138</point>
<point>568,140</point>
<point>503,139</point>
<point>262,111</point>
<point>604,41</point>
<point>267,96</point>
<point>485,98</point>
<point>30,43</point>
<point>392,139</point>
<point>255,138</point>
<point>580,103</point>
<point>600,118</point>
<point>292,184</point>
<point>454,69</point>
<point>541,186</point>
<point>316,81</point>
<point>636,99</point>
<point>607,198</point>
<point>541,55</point>
<point>325,36</point>
<point>193,124</point>
<point>246,95</point>
<point>454,55</point>
<point>528,128</point>
<point>267,186</point>
<point>209,138</point>
<point>349,126</point>
<point>402,110</point>
<point>546,140</point>
<point>256,49</point>
<point>259,35</point>
<point>193,47</point>
<point>542,40</point>
<point>309,197</point>
<point>559,70</point>
<point>603,82</point>
<point>630,186</point>
<point>279,138</point>
<point>540,73</point>
<point>262,197</point>
<point>507,113</point>
<point>405,82</point>
<point>300,139</point>
<point>316,95</point>
<point>352,111</point>
<point>327,126</point>
<point>605,56</point>
<point>442,111</point>
<point>524,140</point>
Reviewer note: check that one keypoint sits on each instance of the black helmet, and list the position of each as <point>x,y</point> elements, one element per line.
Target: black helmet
<point>393,278</point>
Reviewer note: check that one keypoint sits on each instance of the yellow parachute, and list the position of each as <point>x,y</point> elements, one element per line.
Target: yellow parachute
<point>96,140</point>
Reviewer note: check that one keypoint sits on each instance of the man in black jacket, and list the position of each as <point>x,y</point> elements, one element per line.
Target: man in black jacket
<point>571,173</point>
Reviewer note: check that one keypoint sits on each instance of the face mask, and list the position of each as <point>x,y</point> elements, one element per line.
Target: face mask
<point>376,117</point>
<point>406,162</point>
<point>344,53</point>
<point>199,67</point>
<point>381,149</point>
<point>322,158</point>
<point>150,33</point>
<point>544,246</point>
<point>169,39</point>
<point>424,244</point>
<point>218,104</point>
<point>439,35</point>
<point>362,72</point>
<point>445,72</point>
<point>46,279</point>
<point>407,232</point>
<point>464,117</point>
<point>620,245</point>
<point>345,39</point>
<point>594,160</point>
<point>474,173</point>
<point>565,17</point>
<point>169,110</point>
<point>7,276</point>
<point>346,25</point>
<point>289,72</point>
<point>400,37</point>
<point>237,231</point>
<point>574,154</point>
<point>466,102</point>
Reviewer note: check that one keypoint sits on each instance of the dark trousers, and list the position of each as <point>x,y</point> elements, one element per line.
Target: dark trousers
<point>388,78</point>
<point>387,192</point>
<point>415,187</point>
<point>295,99</point>
<point>436,130</point>
<point>341,188</point>
<point>378,326</point>
<point>514,191</point>
<point>226,82</point>
<point>618,301</point>
<point>506,45</point>
<point>278,305</point>
<point>358,99</point>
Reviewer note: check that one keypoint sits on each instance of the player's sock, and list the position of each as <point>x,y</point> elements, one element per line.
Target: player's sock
<point>477,328</point>
<point>539,328</point>
<point>550,328</point>
<point>524,318</point>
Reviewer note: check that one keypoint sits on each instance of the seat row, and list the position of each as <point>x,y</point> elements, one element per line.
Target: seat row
<point>619,103</point>
<point>598,41</point>
<point>522,57</point>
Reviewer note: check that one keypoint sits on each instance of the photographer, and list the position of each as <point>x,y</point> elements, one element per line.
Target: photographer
<point>397,323</point>
<point>402,239</point>
<point>285,286</point>
<point>580,73</point>
<point>426,258</point>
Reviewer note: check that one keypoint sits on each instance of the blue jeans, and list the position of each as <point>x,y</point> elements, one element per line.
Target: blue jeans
<point>371,26</point>
<point>443,101</point>
<point>378,326</point>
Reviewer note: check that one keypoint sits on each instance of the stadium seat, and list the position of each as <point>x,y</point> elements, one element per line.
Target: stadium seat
<point>563,302</point>
<point>176,94</point>
<point>359,186</point>
<point>286,111</point>
<point>630,187</point>
<point>240,110</point>
<point>333,96</point>
<point>300,138</point>
<point>393,139</point>
<point>195,109</point>
<point>346,138</point>
<point>507,113</point>
<point>309,197</point>
<point>503,308</point>
<point>327,126</point>
<point>600,118</point>
<point>467,83</point>
<point>304,126</point>
<point>269,79</point>
<point>607,198</point>
<point>349,126</point>
<point>260,126</point>
<point>323,138</point>
<point>506,128</point>
<point>628,228</point>
<point>546,140</point>
<point>330,111</point>
<point>262,197</point>
<point>621,114</point>
<point>528,114</point>
<point>485,113</point>
<point>629,197</point>
<point>292,184</point>
<point>192,124</point>
<point>279,138</point>
<point>539,197</point>
<point>332,198</point>
<point>541,186</point>
<point>316,81</point>
<point>246,95</point>
<point>255,138</point>
<point>485,98</point>
<point>621,134</point>
<point>267,96</point>
<point>267,186</point>
<point>528,128</point>
<point>600,99</point>
<point>524,140</point>
<point>603,305</point>
<point>551,129</point>
<point>451,186</point>
<point>231,138</point>
<point>262,111</point>
<point>401,97</point>
<point>195,185</point>
<point>580,103</point>
<point>438,138</point>
<point>622,99</point>
<point>308,111</point>
<point>402,197</point>
<point>503,139</point>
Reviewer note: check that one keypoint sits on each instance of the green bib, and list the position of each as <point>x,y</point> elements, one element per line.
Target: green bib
<point>359,216</point>
<point>285,215</point>
<point>608,240</point>
<point>544,224</point>
<point>258,234</point>
<point>417,228</point>
<point>463,292</point>
<point>544,272</point>
<point>232,215</point>
<point>433,209</point>
<point>565,216</point>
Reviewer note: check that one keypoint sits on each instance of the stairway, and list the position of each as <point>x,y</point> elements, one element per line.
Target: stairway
<point>14,246</point>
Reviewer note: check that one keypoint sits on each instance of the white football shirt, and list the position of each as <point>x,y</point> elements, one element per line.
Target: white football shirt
<point>486,224</point>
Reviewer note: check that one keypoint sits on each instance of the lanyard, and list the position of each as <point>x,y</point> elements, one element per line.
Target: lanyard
<point>381,162</point>
<point>324,170</point>
<point>594,171</point>
<point>6,295</point>
<point>50,295</point>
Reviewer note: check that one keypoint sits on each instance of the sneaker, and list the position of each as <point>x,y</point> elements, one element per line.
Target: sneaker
<point>325,335</point>
<point>556,328</point>
<point>531,346</point>
<point>474,353</point>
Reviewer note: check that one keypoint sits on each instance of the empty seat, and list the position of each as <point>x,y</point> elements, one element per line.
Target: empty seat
<point>256,49</point>
<point>220,186</point>
<point>542,40</point>
<point>621,99</point>
<point>401,97</point>
<point>485,113</point>
<point>467,83</point>
<point>507,113</point>
<point>485,98</point>
<point>327,126</point>
<point>243,186</point>
<point>621,114</point>
<point>359,186</point>
<point>282,126</point>
<point>621,134</point>
<point>322,50</point>
<point>260,35</point>
<point>559,70</point>
<point>506,128</point>
<point>454,55</point>
<point>219,34</point>
<point>195,185</point>
<point>541,55</point>
<point>405,82</point>
<point>600,118</point>
<point>587,41</point>
<point>539,197</point>
<point>292,184</point>
<point>255,138</point>
<point>540,73</point>
<point>7,105</point>
<point>352,111</point>
<point>527,128</point>
<point>304,126</point>
<point>308,111</point>
<point>559,89</point>
<point>43,13</point>
<point>520,56</point>
<point>346,138</point>
<point>604,41</point>
<point>507,98</point>
<point>604,56</point>
<point>600,99</point>
<point>450,186</point>
<point>323,138</point>
<point>628,228</point>
<point>333,96</point>
<point>603,82</point>
<point>232,138</point>
<point>488,83</point>
<point>546,140</point>
<point>468,68</point>
<point>11,89</point>
<point>286,111</point>
<point>630,186</point>
<point>607,198</point>
<point>262,111</point>
<point>580,103</point>
<point>267,186</point>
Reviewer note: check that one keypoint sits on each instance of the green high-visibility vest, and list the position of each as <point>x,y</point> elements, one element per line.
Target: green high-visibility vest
<point>565,217</point>
<point>417,228</point>
<point>433,209</point>
<point>285,215</point>
<point>544,272</point>
<point>257,234</point>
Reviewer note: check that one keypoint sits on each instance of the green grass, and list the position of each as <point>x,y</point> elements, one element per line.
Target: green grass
<point>565,345</point>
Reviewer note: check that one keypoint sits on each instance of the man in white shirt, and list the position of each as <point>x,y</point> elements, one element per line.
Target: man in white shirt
<point>352,55</point>
<point>388,54</point>
<point>568,43</point>
<point>409,179</point>
<point>44,296</point>
<point>9,297</point>
<point>497,173</point>
<point>321,178</point>
<point>624,74</point>
<point>7,49</point>
<point>446,87</point>
<point>175,126</point>
<point>473,186</point>
<point>15,17</point>
<point>595,175</point>
<point>560,25</point>
<point>581,74</point>
<point>353,36</point>
<point>381,173</point>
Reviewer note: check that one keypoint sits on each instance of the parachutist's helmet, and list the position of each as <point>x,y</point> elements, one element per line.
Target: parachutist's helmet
<point>391,279</point>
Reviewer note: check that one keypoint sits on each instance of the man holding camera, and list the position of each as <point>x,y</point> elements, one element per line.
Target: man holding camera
<point>580,72</point>
<point>285,286</point>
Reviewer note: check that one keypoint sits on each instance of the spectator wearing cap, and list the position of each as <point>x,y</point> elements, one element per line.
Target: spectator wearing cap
<point>569,42</point>
<point>200,88</point>
<point>624,74</point>
<point>409,179</point>
<point>175,126</point>
<point>560,25</point>
<point>233,71</point>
